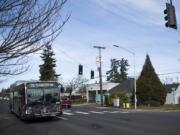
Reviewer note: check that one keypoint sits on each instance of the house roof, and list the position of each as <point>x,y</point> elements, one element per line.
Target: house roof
<point>126,85</point>
<point>169,87</point>
<point>106,86</point>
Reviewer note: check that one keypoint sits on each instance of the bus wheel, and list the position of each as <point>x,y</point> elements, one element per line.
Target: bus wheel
<point>21,115</point>
<point>10,108</point>
<point>11,111</point>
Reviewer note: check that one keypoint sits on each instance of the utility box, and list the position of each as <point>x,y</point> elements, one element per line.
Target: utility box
<point>124,105</point>
<point>127,105</point>
<point>116,102</point>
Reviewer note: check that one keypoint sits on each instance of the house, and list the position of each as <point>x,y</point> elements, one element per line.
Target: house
<point>173,93</point>
<point>93,90</point>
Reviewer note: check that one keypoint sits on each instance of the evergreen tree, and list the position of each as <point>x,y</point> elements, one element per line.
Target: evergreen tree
<point>149,87</point>
<point>123,64</point>
<point>118,71</point>
<point>47,71</point>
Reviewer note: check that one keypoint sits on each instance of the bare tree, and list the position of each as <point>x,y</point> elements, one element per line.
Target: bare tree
<point>25,27</point>
<point>75,83</point>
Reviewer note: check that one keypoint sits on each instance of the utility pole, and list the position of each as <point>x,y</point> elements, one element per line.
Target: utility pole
<point>100,71</point>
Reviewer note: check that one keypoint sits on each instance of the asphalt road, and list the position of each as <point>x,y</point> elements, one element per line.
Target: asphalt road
<point>89,120</point>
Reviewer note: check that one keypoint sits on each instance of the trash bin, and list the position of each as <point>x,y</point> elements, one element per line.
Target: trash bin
<point>127,105</point>
<point>124,105</point>
<point>116,102</point>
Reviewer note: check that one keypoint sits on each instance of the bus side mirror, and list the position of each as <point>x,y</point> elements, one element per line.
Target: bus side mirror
<point>62,89</point>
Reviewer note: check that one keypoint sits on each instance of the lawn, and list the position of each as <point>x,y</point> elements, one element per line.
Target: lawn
<point>164,107</point>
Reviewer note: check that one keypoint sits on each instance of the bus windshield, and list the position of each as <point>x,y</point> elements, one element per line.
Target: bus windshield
<point>42,95</point>
<point>51,95</point>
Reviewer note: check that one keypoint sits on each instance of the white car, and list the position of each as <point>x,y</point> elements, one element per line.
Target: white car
<point>6,98</point>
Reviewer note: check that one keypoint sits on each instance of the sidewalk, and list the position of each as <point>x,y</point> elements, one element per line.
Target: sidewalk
<point>86,104</point>
<point>98,106</point>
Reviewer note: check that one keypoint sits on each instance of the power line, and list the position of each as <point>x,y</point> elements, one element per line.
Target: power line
<point>169,73</point>
<point>73,59</point>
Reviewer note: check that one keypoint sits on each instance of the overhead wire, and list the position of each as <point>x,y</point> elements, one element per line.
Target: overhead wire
<point>169,73</point>
<point>73,59</point>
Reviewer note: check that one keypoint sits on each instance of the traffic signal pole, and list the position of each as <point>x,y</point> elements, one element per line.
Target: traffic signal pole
<point>171,2</point>
<point>100,72</point>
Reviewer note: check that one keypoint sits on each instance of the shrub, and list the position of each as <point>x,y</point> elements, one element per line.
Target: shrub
<point>152,103</point>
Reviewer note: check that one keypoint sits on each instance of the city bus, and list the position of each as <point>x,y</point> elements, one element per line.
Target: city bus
<point>35,99</point>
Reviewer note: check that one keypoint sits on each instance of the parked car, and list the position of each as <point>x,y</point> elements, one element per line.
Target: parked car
<point>6,98</point>
<point>66,102</point>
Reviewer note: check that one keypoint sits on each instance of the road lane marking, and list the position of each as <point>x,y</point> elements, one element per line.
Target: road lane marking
<point>96,112</point>
<point>106,111</point>
<point>101,107</point>
<point>81,112</point>
<point>124,112</point>
<point>63,118</point>
<point>66,113</point>
<point>119,112</point>
<point>115,112</point>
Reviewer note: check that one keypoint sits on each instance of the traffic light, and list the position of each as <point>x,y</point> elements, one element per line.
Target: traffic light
<point>170,17</point>
<point>80,69</point>
<point>92,74</point>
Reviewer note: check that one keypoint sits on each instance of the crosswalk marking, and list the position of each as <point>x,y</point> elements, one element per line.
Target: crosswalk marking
<point>81,112</point>
<point>106,111</point>
<point>66,113</point>
<point>63,118</point>
<point>101,107</point>
<point>124,112</point>
<point>96,112</point>
<point>115,112</point>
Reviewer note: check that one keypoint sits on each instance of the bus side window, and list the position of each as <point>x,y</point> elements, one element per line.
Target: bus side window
<point>11,95</point>
<point>11,98</point>
<point>15,94</point>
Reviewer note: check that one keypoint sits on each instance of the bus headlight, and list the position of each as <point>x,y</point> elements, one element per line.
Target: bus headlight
<point>58,108</point>
<point>28,110</point>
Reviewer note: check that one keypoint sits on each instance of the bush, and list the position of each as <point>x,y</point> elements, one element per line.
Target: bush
<point>152,103</point>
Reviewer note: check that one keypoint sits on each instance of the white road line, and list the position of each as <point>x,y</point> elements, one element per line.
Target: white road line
<point>106,111</point>
<point>115,112</point>
<point>63,118</point>
<point>96,112</point>
<point>124,112</point>
<point>101,107</point>
<point>66,113</point>
<point>81,112</point>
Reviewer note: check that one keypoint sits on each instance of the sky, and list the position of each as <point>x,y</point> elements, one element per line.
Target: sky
<point>137,25</point>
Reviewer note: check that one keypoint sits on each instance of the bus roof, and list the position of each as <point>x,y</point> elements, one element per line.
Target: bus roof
<point>19,82</point>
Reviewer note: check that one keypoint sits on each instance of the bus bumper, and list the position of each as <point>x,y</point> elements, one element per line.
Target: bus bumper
<point>41,115</point>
